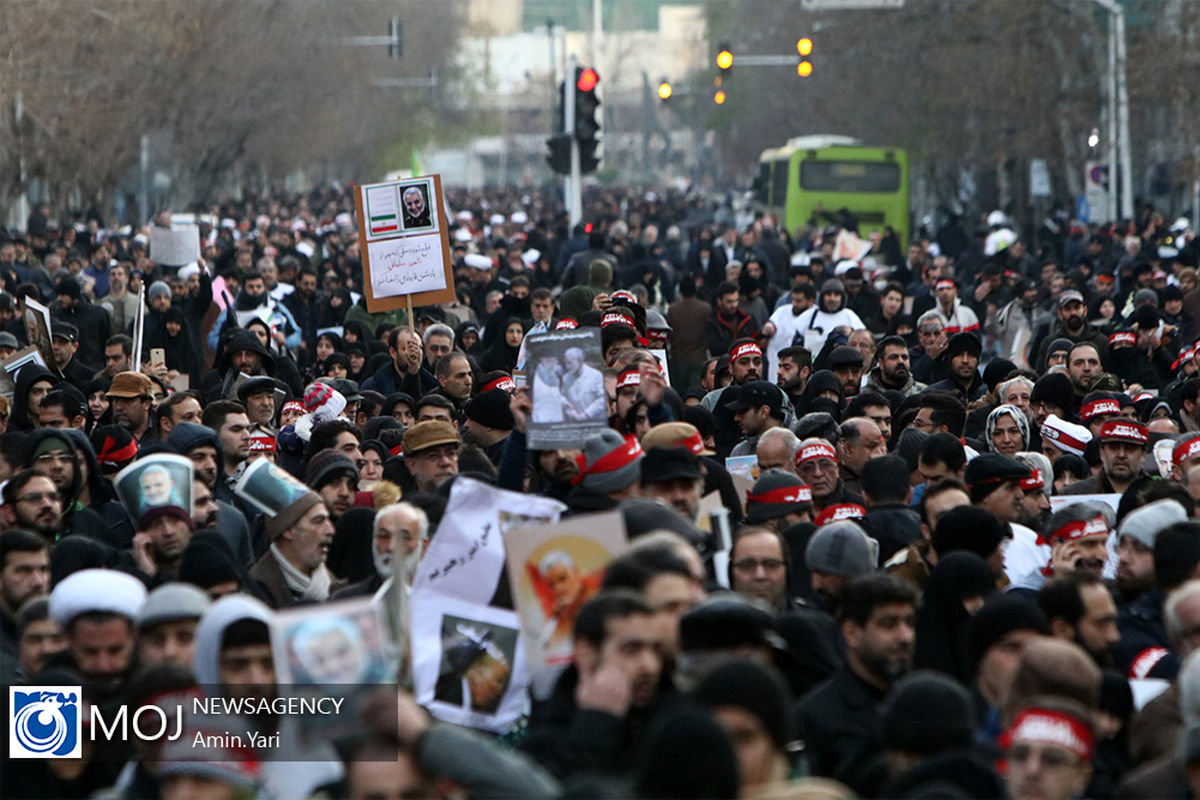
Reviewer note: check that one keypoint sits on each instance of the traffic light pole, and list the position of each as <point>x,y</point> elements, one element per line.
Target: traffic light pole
<point>573,183</point>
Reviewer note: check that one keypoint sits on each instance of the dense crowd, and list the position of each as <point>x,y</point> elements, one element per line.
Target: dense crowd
<point>955,552</point>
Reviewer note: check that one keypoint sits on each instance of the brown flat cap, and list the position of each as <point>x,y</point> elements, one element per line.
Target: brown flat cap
<point>428,434</point>
<point>130,384</point>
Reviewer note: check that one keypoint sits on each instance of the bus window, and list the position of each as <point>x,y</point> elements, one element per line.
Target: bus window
<point>762,183</point>
<point>779,182</point>
<point>849,176</point>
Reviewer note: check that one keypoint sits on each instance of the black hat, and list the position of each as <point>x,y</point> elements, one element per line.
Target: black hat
<point>757,393</point>
<point>69,286</point>
<point>345,387</point>
<point>1000,615</point>
<point>257,385</point>
<point>327,465</point>
<point>997,370</point>
<point>776,493</point>
<point>1059,345</point>
<point>646,516</point>
<point>994,468</point>
<point>669,463</point>
<point>1055,389</point>
<point>818,424</point>
<point>753,688</point>
<point>65,330</point>
<point>205,565</point>
<point>927,713</point>
<point>885,476</point>
<point>1147,317</point>
<point>491,409</point>
<point>725,622</point>
<point>964,342</point>
<point>686,753</point>
<point>845,356</point>
<point>969,528</point>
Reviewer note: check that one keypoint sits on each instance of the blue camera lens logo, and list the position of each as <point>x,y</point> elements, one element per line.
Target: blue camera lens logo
<point>44,721</point>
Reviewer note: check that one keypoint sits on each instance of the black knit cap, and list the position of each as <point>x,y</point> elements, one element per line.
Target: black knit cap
<point>491,409</point>
<point>1000,615</point>
<point>963,342</point>
<point>753,688</point>
<point>927,713</point>
<point>969,528</point>
<point>685,753</point>
<point>1055,389</point>
<point>204,565</point>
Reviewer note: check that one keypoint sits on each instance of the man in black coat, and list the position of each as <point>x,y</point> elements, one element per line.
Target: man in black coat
<point>840,718</point>
<point>90,321</point>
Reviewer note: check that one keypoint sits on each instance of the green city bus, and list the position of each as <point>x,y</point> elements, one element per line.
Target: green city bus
<point>814,177</point>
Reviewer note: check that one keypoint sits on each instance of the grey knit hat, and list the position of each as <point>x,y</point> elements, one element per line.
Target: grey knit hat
<point>172,601</point>
<point>620,462</point>
<point>1145,523</point>
<point>841,548</point>
<point>157,288</point>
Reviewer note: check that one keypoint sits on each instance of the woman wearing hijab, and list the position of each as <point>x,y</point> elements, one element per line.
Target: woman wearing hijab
<point>466,339</point>
<point>1007,430</point>
<point>503,354</point>
<point>822,385</point>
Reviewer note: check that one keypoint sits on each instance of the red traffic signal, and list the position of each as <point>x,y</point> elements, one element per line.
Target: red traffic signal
<point>587,79</point>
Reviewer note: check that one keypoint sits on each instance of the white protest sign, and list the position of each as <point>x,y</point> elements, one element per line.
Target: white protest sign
<point>175,246</point>
<point>406,266</point>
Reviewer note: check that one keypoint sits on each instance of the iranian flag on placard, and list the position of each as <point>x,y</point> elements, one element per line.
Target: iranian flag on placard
<point>384,224</point>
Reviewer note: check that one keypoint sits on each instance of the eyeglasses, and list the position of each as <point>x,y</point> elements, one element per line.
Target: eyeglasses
<point>752,564</point>
<point>37,497</point>
<point>53,458</point>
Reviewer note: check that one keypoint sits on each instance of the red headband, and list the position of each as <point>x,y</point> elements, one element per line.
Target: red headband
<point>1077,530</point>
<point>1122,337</point>
<point>1185,450</point>
<point>784,494</point>
<point>944,283</point>
<point>1034,481</point>
<point>694,443</point>
<point>815,450</point>
<point>1060,437</point>
<point>1125,431</point>
<point>294,405</point>
<point>1104,405</point>
<point>503,382</point>
<point>126,453</point>
<point>624,295</point>
<point>1184,357</point>
<point>745,349</point>
<point>839,512</point>
<point>630,377</point>
<point>1050,727</point>
<point>398,450</point>
<point>615,318</point>
<point>619,458</point>
<point>566,324</point>
<point>262,444</point>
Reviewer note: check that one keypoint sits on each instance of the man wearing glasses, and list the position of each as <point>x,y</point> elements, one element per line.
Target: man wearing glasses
<point>31,502</point>
<point>931,333</point>
<point>758,569</point>
<point>431,453</point>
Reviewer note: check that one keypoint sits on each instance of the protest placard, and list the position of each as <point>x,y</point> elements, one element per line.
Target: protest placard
<point>269,488</point>
<point>469,664</point>
<point>159,479</point>
<point>406,252</point>
<point>553,570</point>
<point>175,246</point>
<point>338,642</point>
<point>1064,500</point>
<point>37,332</point>
<point>566,379</point>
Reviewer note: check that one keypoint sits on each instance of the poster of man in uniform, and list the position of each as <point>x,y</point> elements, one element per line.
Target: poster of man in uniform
<point>414,197</point>
<point>332,643</point>
<point>565,373</point>
<point>161,479</point>
<point>268,487</point>
<point>553,570</point>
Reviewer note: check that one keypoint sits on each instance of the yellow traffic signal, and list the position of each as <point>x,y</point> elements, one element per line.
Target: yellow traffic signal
<point>804,69</point>
<point>664,91</point>
<point>719,97</point>
<point>724,58</point>
<point>804,46</point>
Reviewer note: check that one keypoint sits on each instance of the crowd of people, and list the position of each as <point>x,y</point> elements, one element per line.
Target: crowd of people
<point>965,563</point>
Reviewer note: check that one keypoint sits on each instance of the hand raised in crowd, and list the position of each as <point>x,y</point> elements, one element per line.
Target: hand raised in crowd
<point>768,330</point>
<point>938,346</point>
<point>521,406</point>
<point>653,386</point>
<point>141,553</point>
<point>606,689</point>
<point>601,302</point>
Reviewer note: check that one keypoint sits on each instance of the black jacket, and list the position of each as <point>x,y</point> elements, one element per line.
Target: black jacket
<point>841,725</point>
<point>94,329</point>
<point>894,527</point>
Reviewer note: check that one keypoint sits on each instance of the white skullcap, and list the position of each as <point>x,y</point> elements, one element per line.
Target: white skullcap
<point>531,256</point>
<point>228,223</point>
<point>306,248</point>
<point>519,217</point>
<point>477,261</point>
<point>188,270</point>
<point>96,590</point>
<point>299,225</point>
<point>1066,436</point>
<point>463,235</point>
<point>845,266</point>
<point>496,219</point>
<point>344,220</point>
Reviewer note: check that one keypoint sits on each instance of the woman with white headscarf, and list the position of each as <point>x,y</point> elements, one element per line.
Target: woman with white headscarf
<point>1007,431</point>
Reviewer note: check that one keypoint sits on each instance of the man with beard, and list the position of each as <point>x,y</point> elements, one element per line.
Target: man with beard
<point>792,371</point>
<point>962,354</point>
<point>783,326</point>
<point>1081,610</point>
<point>334,477</point>
<point>131,395</point>
<point>836,554</point>
<point>294,570</point>
<point>254,301</point>
<point>1123,443</point>
<point>201,445</point>
<point>847,363</point>
<point>840,718</point>
<point>163,534</point>
<point>891,370</point>
<point>1083,364</point>
<point>91,322</point>
<point>672,476</point>
<point>861,441</point>
<point>829,313</point>
<point>24,575</point>
<point>730,323</point>
<point>489,422</point>
<point>96,609</point>
<point>1078,537</point>
<point>305,305</point>
<point>745,365</point>
<point>1135,547</point>
<point>54,455</point>
<point>758,409</point>
<point>1072,325</point>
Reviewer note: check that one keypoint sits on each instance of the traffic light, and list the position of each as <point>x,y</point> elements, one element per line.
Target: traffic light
<point>724,57</point>
<point>804,69</point>
<point>559,153</point>
<point>664,91</point>
<point>586,124</point>
<point>395,33</point>
<point>719,97</point>
<point>804,47</point>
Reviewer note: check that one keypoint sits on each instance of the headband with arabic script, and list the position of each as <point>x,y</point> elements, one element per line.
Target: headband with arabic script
<point>630,377</point>
<point>566,324</point>
<point>1122,339</point>
<point>744,349</point>
<point>945,283</point>
<point>816,450</point>
<point>1102,405</point>
<point>1185,450</point>
<point>839,512</point>
<point>798,495</point>
<point>503,382</point>
<point>1132,432</point>
<point>1050,727</point>
<point>1076,530</point>
<point>1034,481</point>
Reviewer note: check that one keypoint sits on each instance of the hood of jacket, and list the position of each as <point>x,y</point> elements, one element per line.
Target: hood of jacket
<point>27,377</point>
<point>101,489</point>
<point>211,631</point>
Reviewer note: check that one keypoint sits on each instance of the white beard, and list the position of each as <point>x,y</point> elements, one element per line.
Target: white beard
<point>384,566</point>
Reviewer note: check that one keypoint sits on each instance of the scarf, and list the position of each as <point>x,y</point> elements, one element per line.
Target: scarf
<point>314,588</point>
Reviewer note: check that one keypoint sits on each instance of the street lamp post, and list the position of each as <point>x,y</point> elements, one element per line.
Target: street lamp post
<point>1118,111</point>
